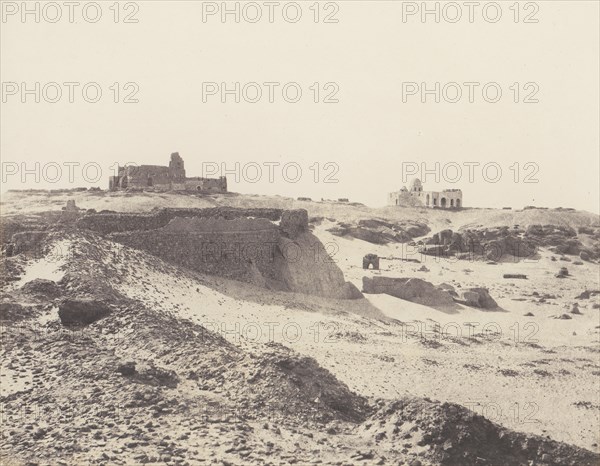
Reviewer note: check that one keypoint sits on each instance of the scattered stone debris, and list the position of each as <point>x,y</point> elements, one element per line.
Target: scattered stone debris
<point>519,276</point>
<point>562,273</point>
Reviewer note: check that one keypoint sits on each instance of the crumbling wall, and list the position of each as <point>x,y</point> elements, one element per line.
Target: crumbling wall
<point>229,248</point>
<point>294,222</point>
<point>304,265</point>
<point>206,185</point>
<point>121,222</point>
<point>148,176</point>
<point>241,244</point>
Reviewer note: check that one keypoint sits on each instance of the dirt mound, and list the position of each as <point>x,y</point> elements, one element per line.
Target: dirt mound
<point>289,385</point>
<point>448,434</point>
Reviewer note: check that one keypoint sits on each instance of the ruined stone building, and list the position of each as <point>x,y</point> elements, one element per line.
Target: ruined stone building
<point>171,178</point>
<point>415,196</point>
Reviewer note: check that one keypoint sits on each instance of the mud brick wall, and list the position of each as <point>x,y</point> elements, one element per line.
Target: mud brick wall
<point>108,223</point>
<point>206,185</point>
<point>294,222</point>
<point>121,222</point>
<point>139,176</point>
<point>236,248</point>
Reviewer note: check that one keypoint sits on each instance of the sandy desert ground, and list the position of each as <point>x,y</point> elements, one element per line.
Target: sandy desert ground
<point>518,366</point>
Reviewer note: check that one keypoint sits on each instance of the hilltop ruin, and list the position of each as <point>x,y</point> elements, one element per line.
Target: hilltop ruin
<point>163,178</point>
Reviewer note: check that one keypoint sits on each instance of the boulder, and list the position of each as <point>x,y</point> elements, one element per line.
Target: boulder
<point>477,297</point>
<point>446,286</point>
<point>410,289</point>
<point>127,368</point>
<point>469,298</point>
<point>81,311</point>
<point>40,286</point>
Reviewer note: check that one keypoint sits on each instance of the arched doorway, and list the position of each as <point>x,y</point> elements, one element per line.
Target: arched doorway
<point>427,200</point>
<point>451,202</point>
<point>150,182</point>
<point>443,202</point>
<point>457,204</point>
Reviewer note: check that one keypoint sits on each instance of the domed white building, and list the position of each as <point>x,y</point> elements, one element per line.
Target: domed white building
<point>415,196</point>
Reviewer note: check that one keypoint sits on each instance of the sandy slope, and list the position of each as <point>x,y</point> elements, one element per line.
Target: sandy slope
<point>533,374</point>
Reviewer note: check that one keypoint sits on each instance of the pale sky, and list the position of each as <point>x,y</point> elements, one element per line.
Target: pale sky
<point>366,136</point>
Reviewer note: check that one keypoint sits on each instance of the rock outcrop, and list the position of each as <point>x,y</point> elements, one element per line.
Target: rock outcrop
<point>411,289</point>
<point>381,232</point>
<point>490,244</point>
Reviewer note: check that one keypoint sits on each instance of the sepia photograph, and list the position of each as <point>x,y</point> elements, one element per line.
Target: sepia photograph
<point>311,232</point>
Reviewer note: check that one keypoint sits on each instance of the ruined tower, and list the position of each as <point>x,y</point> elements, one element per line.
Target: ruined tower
<point>176,168</point>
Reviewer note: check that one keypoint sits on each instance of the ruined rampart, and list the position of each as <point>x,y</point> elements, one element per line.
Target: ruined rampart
<point>242,244</point>
<point>120,222</point>
<point>242,249</point>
